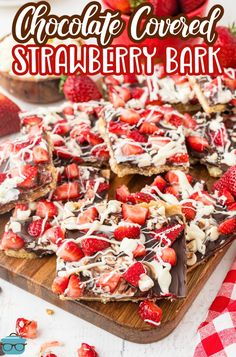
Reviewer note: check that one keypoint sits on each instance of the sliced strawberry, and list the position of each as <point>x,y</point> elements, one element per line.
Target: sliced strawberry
<point>59,285</point>
<point>88,216</point>
<point>32,120</point>
<point>103,186</point>
<point>118,128</point>
<point>167,235</point>
<point>172,178</point>
<point>68,111</point>
<point>87,351</point>
<point>137,92</point>
<point>38,227</point>
<point>150,312</point>
<point>11,240</point>
<point>230,83</point>
<point>75,287</point>
<point>20,207</point>
<point>26,328</point>
<point>66,191</point>
<point>202,196</point>
<point>55,235</point>
<point>126,231</point>
<point>218,137</point>
<point>131,149</point>
<point>122,194</point>
<point>57,140</point>
<point>189,122</point>
<point>189,211</point>
<point>197,143</point>
<point>175,120</point>
<point>129,116</point>
<point>30,173</point>
<point>115,99</point>
<point>111,80</point>
<point>101,152</point>
<point>40,155</point>
<point>228,180</point>
<point>70,252</point>
<point>91,246</point>
<point>136,214</point>
<point>168,255</point>
<point>109,281</point>
<point>46,209</point>
<point>94,139</point>
<point>160,183</point>
<point>61,128</point>
<point>173,190</point>
<point>3,177</point>
<point>72,171</point>
<point>123,93</point>
<point>136,136</point>
<point>228,226</point>
<point>179,158</point>
<point>226,197</point>
<point>132,275</point>
<point>139,251</point>
<point>148,128</point>
<point>139,197</point>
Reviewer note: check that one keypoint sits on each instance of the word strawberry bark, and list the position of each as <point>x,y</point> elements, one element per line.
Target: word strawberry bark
<point>210,218</point>
<point>73,131</point>
<point>216,94</point>
<point>145,141</point>
<point>26,170</point>
<point>34,230</point>
<point>213,142</point>
<point>127,252</point>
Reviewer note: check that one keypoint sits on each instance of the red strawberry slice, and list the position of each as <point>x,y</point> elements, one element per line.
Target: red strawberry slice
<point>150,312</point>
<point>230,83</point>
<point>109,281</point>
<point>139,251</point>
<point>57,140</point>
<point>218,137</point>
<point>122,194</point>
<point>70,252</point>
<point>55,235</point>
<point>115,99</point>
<point>126,231</point>
<point>91,246</point>
<point>139,197</point>
<point>40,155</point>
<point>148,128</point>
<point>189,122</point>
<point>132,275</point>
<point>179,158</point>
<point>174,120</point>
<point>225,197</point>
<point>26,328</point>
<point>173,190</point>
<point>137,92</point>
<point>160,183</point>
<point>88,216</point>
<point>75,287</point>
<point>61,128</point>
<point>3,177</point>
<point>168,255</point>
<point>136,214</point>
<point>228,181</point>
<point>94,139</point>
<point>101,152</point>
<point>197,143</point>
<point>129,116</point>
<point>72,171</point>
<point>118,128</point>
<point>228,226</point>
<point>11,240</point>
<point>123,93</point>
<point>30,173</point>
<point>87,351</point>
<point>167,235</point>
<point>38,227</point>
<point>59,285</point>
<point>202,196</point>
<point>111,80</point>
<point>136,136</point>
<point>68,111</point>
<point>32,120</point>
<point>20,207</point>
<point>131,149</point>
<point>46,209</point>
<point>66,191</point>
<point>189,211</point>
<point>103,186</point>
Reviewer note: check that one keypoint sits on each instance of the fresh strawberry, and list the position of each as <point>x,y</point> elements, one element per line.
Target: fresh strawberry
<point>226,40</point>
<point>228,226</point>
<point>103,186</point>
<point>68,111</point>
<point>109,281</point>
<point>160,183</point>
<point>101,152</point>
<point>133,273</point>
<point>50,355</point>
<point>218,137</point>
<point>87,351</point>
<point>130,78</point>
<point>203,197</point>
<point>72,171</point>
<point>75,287</point>
<point>91,246</point>
<point>57,140</point>
<point>150,312</point>
<point>123,93</point>
<point>38,227</point>
<point>136,214</point>
<point>115,99</point>
<point>179,158</point>
<point>189,211</point>
<point>66,191</point>
<point>20,207</point>
<point>46,209</point>
<point>139,197</point>
<point>88,216</point>
<point>70,252</point>
<point>226,197</point>
<point>60,284</point>
<point>30,173</point>
<point>9,116</point>
<point>126,231</point>
<point>137,92</point>
<point>111,80</point>
<point>94,139</point>
<point>122,194</point>
<point>11,240</point>
<point>32,120</point>
<point>61,128</point>
<point>230,83</point>
<point>55,235</point>
<point>167,235</point>
<point>228,181</point>
<point>148,128</point>
<point>168,255</point>
<point>173,190</point>
<point>187,6</point>
<point>3,177</point>
<point>189,122</point>
<point>132,149</point>
<point>40,155</point>
<point>80,89</point>
<point>175,120</point>
<point>26,328</point>
<point>139,251</point>
<point>129,116</point>
<point>137,136</point>
<point>118,128</point>
<point>197,143</point>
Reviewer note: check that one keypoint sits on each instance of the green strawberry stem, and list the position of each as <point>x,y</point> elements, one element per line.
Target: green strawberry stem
<point>232,29</point>
<point>63,78</point>
<point>135,3</point>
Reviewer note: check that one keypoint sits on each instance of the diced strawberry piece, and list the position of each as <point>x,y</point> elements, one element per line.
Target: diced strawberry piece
<point>61,128</point>
<point>87,351</point>
<point>136,136</point>
<point>66,191</point>
<point>20,207</point>
<point>172,178</point>
<point>148,128</point>
<point>167,235</point>
<point>226,197</point>
<point>168,255</point>
<point>122,194</point>
<point>203,197</point>
<point>57,140</point>
<point>26,328</point>
<point>11,240</point>
<point>32,120</point>
<point>218,137</point>
<point>173,190</point>
<point>230,83</point>
<point>38,227</point>
<point>129,116</point>
<point>68,111</point>
<point>111,80</point>
<point>109,281</point>
<point>115,99</point>
<point>91,246</point>
<point>94,139</point>
<point>175,120</point>
<point>30,173</point>
<point>123,93</point>
<point>88,216</point>
<point>118,128</point>
<point>70,252</point>
<point>101,152</point>
<point>72,171</point>
<point>139,197</point>
<point>3,177</point>
<point>179,158</point>
<point>137,92</point>
<point>75,287</point>
<point>189,122</point>
<point>131,149</point>
<point>103,186</point>
<point>197,143</point>
<point>55,235</point>
<point>133,273</point>
<point>46,209</point>
<point>228,226</point>
<point>150,312</point>
<point>139,251</point>
<point>160,183</point>
<point>189,211</point>
<point>136,214</point>
<point>59,285</point>
<point>126,231</point>
<point>40,155</point>
<point>228,180</point>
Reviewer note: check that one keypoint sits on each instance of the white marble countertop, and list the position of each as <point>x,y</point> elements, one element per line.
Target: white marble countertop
<point>72,331</point>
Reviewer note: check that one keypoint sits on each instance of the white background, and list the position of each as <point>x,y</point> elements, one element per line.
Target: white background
<point>70,330</point>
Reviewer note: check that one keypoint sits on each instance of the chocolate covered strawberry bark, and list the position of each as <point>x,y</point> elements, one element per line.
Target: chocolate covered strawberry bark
<point>145,141</point>
<point>26,170</point>
<point>73,131</point>
<point>35,230</point>
<point>127,252</point>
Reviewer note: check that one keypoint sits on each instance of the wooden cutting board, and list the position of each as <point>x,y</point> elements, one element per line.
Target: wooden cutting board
<point>119,318</point>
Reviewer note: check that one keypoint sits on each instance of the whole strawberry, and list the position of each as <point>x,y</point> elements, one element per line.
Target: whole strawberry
<point>161,7</point>
<point>80,88</point>
<point>9,116</point>
<point>228,180</point>
<point>227,42</point>
<point>187,6</point>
